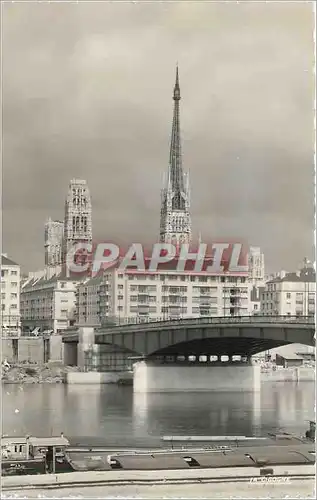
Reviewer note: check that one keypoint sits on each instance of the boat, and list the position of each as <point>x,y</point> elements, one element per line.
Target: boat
<point>31,455</point>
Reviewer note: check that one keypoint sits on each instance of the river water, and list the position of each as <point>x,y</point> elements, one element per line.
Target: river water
<point>112,415</point>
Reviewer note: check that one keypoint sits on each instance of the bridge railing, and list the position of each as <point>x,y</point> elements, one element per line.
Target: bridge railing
<point>213,321</point>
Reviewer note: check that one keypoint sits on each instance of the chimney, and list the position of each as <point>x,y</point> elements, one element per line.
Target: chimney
<point>282,274</point>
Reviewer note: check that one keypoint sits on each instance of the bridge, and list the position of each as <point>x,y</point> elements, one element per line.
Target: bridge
<point>194,341</point>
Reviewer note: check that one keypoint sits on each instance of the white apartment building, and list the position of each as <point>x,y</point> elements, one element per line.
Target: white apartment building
<point>290,294</point>
<point>256,266</point>
<point>135,296</point>
<point>48,304</point>
<point>10,296</point>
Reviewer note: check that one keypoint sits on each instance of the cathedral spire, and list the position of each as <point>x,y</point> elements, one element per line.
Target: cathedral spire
<point>175,217</point>
<point>175,164</point>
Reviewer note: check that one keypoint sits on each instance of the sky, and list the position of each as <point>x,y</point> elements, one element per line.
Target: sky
<point>87,94</point>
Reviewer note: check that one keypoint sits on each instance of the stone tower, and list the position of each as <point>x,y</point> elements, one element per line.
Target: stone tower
<point>53,240</point>
<point>175,225</point>
<point>78,220</point>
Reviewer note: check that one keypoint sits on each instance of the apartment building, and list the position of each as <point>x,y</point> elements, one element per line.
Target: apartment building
<point>48,305</point>
<point>290,294</point>
<point>88,297</point>
<point>134,296</point>
<point>10,296</point>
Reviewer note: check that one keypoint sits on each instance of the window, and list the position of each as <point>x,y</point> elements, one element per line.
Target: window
<point>3,296</point>
<point>14,306</point>
<point>288,295</point>
<point>120,287</point>
<point>13,295</point>
<point>14,284</point>
<point>4,272</point>
<point>14,273</point>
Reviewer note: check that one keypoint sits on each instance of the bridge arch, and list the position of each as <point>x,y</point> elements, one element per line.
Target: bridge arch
<point>249,334</point>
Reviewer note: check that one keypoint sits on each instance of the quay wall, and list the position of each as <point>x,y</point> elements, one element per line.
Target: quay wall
<point>303,374</point>
<point>33,349</point>
<point>298,374</point>
<point>108,478</point>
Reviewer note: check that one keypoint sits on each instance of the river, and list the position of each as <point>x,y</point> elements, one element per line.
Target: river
<point>114,415</point>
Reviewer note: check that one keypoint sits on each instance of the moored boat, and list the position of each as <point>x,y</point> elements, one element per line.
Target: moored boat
<point>32,455</point>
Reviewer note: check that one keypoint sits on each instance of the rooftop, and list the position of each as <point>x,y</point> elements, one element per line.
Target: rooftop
<point>306,275</point>
<point>5,261</point>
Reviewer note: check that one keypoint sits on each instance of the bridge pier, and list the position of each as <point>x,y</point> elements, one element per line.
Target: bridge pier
<point>153,376</point>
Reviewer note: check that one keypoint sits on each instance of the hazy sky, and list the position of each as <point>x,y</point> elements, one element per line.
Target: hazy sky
<point>87,93</point>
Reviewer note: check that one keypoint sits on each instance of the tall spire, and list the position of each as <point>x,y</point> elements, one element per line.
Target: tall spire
<point>176,175</point>
<point>175,225</point>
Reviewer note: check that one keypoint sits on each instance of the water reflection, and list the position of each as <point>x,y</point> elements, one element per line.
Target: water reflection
<point>200,413</point>
<point>114,415</point>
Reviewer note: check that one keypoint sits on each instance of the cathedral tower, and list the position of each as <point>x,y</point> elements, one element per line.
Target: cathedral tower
<point>175,225</point>
<point>78,220</point>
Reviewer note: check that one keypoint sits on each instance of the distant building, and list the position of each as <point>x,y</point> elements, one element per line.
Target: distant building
<point>256,267</point>
<point>255,299</point>
<point>10,296</point>
<point>78,216</point>
<point>53,236</point>
<point>48,305</point>
<point>290,294</point>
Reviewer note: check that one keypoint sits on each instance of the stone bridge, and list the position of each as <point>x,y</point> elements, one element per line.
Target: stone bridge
<point>244,335</point>
<point>196,354</point>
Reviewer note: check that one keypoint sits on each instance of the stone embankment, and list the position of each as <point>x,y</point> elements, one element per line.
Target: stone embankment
<point>238,482</point>
<point>50,373</point>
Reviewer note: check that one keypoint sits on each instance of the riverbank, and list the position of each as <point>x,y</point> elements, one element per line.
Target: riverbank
<point>50,373</point>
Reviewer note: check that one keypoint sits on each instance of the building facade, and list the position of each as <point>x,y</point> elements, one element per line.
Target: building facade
<point>10,296</point>
<point>88,299</point>
<point>132,296</point>
<point>53,240</point>
<point>175,220</point>
<point>78,216</point>
<point>290,294</point>
<point>48,305</point>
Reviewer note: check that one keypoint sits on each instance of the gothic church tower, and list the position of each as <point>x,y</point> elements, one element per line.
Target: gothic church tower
<point>175,225</point>
<point>78,219</point>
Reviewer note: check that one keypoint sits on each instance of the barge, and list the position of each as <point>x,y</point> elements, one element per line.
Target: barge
<point>31,455</point>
